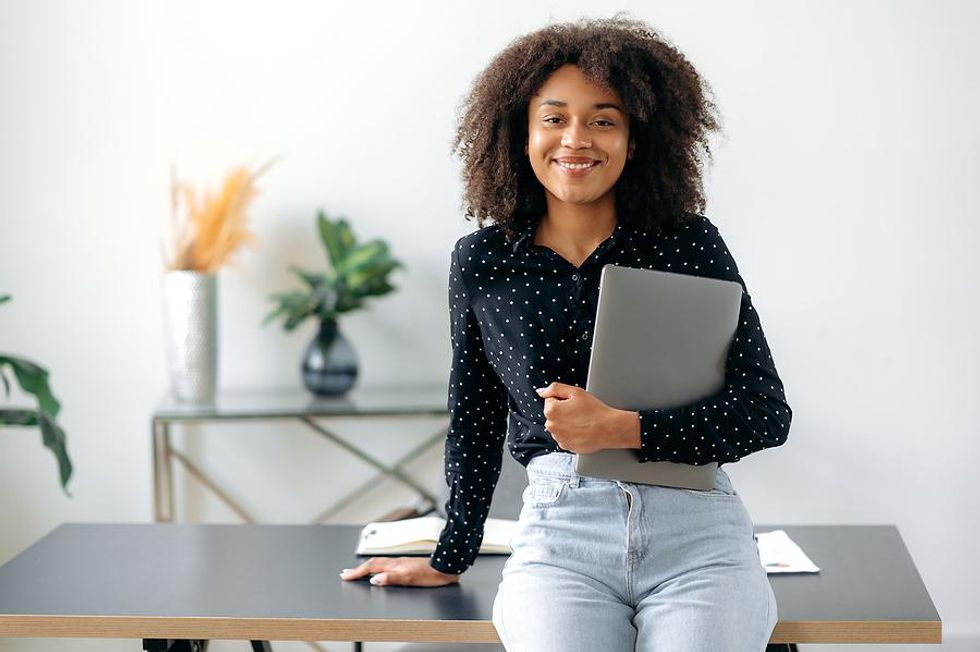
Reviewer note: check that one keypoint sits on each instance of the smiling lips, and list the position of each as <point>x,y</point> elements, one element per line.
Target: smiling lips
<point>576,166</point>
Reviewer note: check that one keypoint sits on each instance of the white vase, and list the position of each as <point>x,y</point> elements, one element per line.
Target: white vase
<point>190,313</point>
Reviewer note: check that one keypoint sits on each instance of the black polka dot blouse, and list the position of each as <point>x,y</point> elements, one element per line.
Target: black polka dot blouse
<point>521,316</point>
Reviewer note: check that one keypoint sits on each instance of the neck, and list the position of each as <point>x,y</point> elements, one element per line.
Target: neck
<point>577,227</point>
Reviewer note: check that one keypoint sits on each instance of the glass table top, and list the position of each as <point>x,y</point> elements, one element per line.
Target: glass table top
<point>418,399</point>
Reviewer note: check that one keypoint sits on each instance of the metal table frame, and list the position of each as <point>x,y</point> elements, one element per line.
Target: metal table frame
<point>377,403</point>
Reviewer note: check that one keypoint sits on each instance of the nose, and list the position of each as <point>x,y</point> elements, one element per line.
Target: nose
<point>575,136</point>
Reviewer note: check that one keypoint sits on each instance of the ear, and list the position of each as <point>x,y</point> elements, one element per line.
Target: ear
<point>629,154</point>
<point>525,148</point>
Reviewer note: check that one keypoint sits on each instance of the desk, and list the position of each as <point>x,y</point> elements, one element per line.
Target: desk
<point>194,581</point>
<point>391,404</point>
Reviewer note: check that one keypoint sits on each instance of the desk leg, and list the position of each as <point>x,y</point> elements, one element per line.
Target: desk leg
<point>170,645</point>
<point>174,645</point>
<point>163,484</point>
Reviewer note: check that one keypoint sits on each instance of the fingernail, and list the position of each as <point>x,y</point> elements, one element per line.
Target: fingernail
<point>540,389</point>
<point>375,580</point>
<point>344,571</point>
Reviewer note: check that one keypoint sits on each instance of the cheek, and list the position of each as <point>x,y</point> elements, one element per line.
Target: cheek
<point>538,145</point>
<point>620,146</point>
<point>538,149</point>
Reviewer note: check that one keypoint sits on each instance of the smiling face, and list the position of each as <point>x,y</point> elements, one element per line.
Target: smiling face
<point>578,135</point>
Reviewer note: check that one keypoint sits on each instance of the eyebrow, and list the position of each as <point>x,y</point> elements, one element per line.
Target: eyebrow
<point>600,105</point>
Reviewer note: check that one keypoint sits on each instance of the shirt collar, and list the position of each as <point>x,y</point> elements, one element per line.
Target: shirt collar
<point>526,236</point>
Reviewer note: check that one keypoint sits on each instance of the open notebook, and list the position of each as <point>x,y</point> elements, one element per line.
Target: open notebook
<point>420,535</point>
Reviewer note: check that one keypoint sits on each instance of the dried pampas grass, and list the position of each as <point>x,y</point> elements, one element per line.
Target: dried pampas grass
<point>214,226</point>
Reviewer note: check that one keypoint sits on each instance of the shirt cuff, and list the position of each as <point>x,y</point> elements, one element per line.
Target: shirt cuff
<point>661,439</point>
<point>456,550</point>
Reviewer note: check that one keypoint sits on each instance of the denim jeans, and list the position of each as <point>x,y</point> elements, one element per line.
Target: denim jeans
<point>612,566</point>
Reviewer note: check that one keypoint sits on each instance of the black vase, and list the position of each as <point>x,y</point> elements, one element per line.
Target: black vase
<point>329,364</point>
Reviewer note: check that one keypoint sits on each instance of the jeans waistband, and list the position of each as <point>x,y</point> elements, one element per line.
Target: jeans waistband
<point>561,464</point>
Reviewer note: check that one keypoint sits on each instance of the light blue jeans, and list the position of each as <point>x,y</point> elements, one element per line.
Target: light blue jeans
<point>616,566</point>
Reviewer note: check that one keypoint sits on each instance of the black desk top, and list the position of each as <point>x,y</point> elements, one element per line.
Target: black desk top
<point>279,582</point>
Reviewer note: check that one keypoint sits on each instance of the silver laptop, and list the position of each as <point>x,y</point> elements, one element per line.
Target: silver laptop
<point>661,340</point>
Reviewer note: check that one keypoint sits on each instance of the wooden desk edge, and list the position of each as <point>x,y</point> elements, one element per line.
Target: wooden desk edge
<point>460,631</point>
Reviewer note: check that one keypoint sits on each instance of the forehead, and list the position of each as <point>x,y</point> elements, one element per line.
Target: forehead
<point>570,86</point>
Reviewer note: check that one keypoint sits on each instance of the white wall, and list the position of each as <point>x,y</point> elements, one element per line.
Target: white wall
<point>845,187</point>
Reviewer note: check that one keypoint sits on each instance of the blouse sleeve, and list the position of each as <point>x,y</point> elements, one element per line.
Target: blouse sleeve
<point>748,414</point>
<point>477,429</point>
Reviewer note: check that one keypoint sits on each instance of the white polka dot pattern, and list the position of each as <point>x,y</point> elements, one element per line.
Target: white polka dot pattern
<point>521,316</point>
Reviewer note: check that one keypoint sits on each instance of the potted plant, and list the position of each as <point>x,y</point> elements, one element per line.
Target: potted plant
<point>214,228</point>
<point>355,272</point>
<point>33,379</point>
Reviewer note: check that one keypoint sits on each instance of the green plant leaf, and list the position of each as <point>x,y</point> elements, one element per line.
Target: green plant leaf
<point>54,438</point>
<point>4,298</point>
<point>325,297</point>
<point>17,417</point>
<point>33,379</point>
<point>336,237</point>
<point>379,288</point>
<point>311,279</point>
<point>328,236</point>
<point>362,279</point>
<point>272,315</point>
<point>296,305</point>
<point>6,383</point>
<point>294,320</point>
<point>355,272</point>
<point>366,255</point>
<point>346,236</point>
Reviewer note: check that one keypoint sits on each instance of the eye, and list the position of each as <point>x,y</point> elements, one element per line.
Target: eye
<point>605,123</point>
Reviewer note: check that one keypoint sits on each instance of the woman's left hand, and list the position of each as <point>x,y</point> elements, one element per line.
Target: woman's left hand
<point>578,420</point>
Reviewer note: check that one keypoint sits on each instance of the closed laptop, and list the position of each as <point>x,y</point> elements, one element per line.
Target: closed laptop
<point>661,340</point>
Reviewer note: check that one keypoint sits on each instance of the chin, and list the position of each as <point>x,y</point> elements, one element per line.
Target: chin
<point>579,195</point>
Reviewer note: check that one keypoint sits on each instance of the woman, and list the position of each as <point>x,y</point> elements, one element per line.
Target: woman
<point>582,143</point>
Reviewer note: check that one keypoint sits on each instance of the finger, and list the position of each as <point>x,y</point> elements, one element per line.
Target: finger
<point>359,571</point>
<point>548,403</point>
<point>557,392</point>
<point>381,579</point>
<point>551,407</point>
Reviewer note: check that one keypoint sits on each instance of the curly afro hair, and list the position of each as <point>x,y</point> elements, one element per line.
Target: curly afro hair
<point>670,116</point>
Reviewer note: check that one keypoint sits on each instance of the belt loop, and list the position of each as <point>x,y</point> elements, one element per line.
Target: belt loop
<point>574,476</point>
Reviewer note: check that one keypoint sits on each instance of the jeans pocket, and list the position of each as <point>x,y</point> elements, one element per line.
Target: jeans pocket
<point>714,492</point>
<point>723,488</point>
<point>543,491</point>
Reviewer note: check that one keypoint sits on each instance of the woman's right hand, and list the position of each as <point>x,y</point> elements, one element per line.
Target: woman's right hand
<point>403,571</point>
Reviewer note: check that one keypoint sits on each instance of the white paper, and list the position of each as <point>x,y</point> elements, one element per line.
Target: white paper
<point>780,554</point>
<point>420,535</point>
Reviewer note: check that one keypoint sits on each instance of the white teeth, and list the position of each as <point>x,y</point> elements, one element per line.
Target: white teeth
<point>576,166</point>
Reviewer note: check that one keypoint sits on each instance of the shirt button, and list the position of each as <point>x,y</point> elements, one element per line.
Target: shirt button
<point>585,336</point>
<point>574,277</point>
